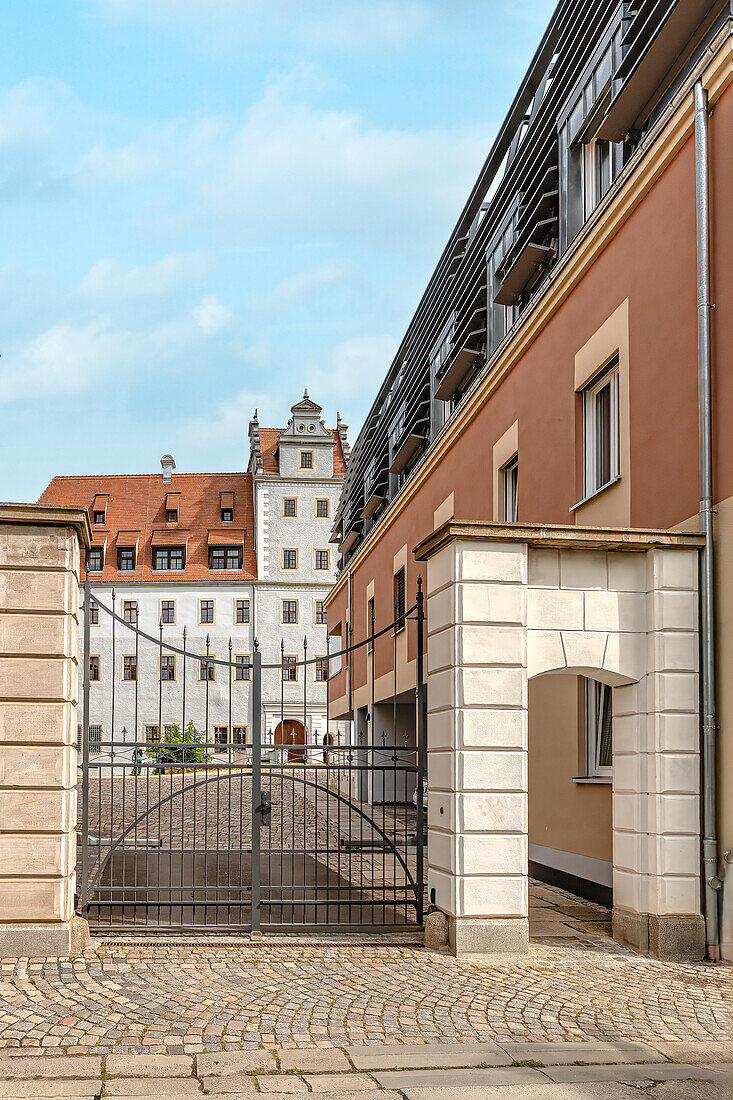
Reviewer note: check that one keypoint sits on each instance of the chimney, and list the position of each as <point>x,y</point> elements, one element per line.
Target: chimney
<point>168,467</point>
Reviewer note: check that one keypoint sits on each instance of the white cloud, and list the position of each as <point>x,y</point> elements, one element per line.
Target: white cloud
<point>110,280</point>
<point>350,381</point>
<point>65,359</point>
<point>210,315</point>
<point>292,166</point>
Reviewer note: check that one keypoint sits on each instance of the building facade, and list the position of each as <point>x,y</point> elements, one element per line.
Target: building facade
<point>549,378</point>
<point>208,563</point>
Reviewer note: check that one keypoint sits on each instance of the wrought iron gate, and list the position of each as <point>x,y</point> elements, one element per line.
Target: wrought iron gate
<point>181,830</point>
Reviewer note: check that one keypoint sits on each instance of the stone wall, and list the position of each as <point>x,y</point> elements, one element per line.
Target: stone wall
<point>39,610</point>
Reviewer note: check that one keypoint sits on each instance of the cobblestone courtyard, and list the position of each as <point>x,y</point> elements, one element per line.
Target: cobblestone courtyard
<point>210,995</point>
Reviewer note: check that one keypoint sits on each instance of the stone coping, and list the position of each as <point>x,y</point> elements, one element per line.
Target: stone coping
<point>562,536</point>
<point>43,515</point>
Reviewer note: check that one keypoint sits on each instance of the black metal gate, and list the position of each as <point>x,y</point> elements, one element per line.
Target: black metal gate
<point>179,831</point>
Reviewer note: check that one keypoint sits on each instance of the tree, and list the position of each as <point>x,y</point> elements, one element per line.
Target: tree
<point>179,748</point>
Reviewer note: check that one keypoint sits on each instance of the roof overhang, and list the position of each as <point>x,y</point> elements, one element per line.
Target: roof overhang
<point>169,536</point>
<point>226,538</point>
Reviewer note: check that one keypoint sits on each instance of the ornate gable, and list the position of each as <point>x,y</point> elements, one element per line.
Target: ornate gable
<point>306,424</point>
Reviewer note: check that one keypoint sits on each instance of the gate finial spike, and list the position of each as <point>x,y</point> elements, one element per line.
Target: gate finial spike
<point>257,643</point>
<point>282,645</point>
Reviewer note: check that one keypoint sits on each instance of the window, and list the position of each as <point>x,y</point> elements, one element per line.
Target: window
<point>227,515</point>
<point>242,666</point>
<point>241,611</point>
<point>306,460</point>
<point>598,728</point>
<point>438,358</point>
<point>168,666</point>
<point>95,559</point>
<point>370,623</point>
<point>93,613</point>
<point>171,515</point>
<point>601,430</point>
<point>129,668</point>
<point>321,670</point>
<point>171,558</point>
<point>290,611</point>
<point>320,613</point>
<point>322,559</point>
<point>510,481</point>
<point>239,735</point>
<point>221,738</point>
<point>290,669</point>
<point>399,599</point>
<point>323,510</point>
<point>126,559</point>
<point>225,557</point>
<point>94,668</point>
<point>99,519</point>
<point>206,611</point>
<point>290,507</point>
<point>597,172</point>
<point>95,739</point>
<point>129,611</point>
<point>167,611</point>
<point>207,669</point>
<point>290,559</point>
<point>152,734</point>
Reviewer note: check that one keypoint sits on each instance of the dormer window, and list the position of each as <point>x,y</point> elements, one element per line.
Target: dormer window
<point>225,557</point>
<point>226,504</point>
<point>126,559</point>
<point>227,515</point>
<point>306,460</point>
<point>171,515</point>
<point>95,559</point>
<point>99,519</point>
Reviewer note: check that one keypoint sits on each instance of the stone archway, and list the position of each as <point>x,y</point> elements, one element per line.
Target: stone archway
<point>510,602</point>
<point>290,734</point>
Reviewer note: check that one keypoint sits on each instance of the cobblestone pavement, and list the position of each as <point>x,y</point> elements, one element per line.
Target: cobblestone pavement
<point>185,997</point>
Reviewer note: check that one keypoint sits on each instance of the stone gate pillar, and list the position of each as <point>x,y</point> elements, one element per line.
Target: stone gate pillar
<point>477,744</point>
<point>39,639</point>
<point>508,602</point>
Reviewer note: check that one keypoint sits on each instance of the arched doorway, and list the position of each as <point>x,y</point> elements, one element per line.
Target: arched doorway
<point>291,733</point>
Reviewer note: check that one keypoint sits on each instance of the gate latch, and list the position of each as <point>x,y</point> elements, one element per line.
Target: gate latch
<point>265,807</point>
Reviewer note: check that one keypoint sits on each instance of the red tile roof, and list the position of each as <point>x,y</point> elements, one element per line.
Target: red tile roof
<point>268,449</point>
<point>137,502</point>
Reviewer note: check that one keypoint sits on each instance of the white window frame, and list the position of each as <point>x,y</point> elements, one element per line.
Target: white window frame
<point>608,376</point>
<point>594,186</point>
<point>510,489</point>
<point>596,695</point>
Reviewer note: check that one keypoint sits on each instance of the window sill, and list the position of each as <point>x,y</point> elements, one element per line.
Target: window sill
<point>595,493</point>
<point>593,780</point>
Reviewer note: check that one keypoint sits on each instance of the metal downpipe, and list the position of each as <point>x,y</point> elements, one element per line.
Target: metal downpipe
<point>710,881</point>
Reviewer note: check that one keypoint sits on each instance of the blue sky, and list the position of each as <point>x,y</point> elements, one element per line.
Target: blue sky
<point>208,204</point>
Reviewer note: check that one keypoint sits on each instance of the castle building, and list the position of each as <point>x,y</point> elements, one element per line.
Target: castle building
<point>208,562</point>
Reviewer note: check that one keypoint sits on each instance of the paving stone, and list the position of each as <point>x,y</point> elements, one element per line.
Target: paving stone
<point>34,1090</point>
<point>603,1090</point>
<point>659,1071</point>
<point>457,1078</point>
<point>230,1085</point>
<point>704,1050</point>
<point>691,1090</point>
<point>315,1061</point>
<point>281,1082</point>
<point>234,1061</point>
<point>549,1054</point>
<point>434,1055</point>
<point>49,1065</point>
<point>149,1065</point>
<point>150,1087</point>
<point>335,1082</point>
